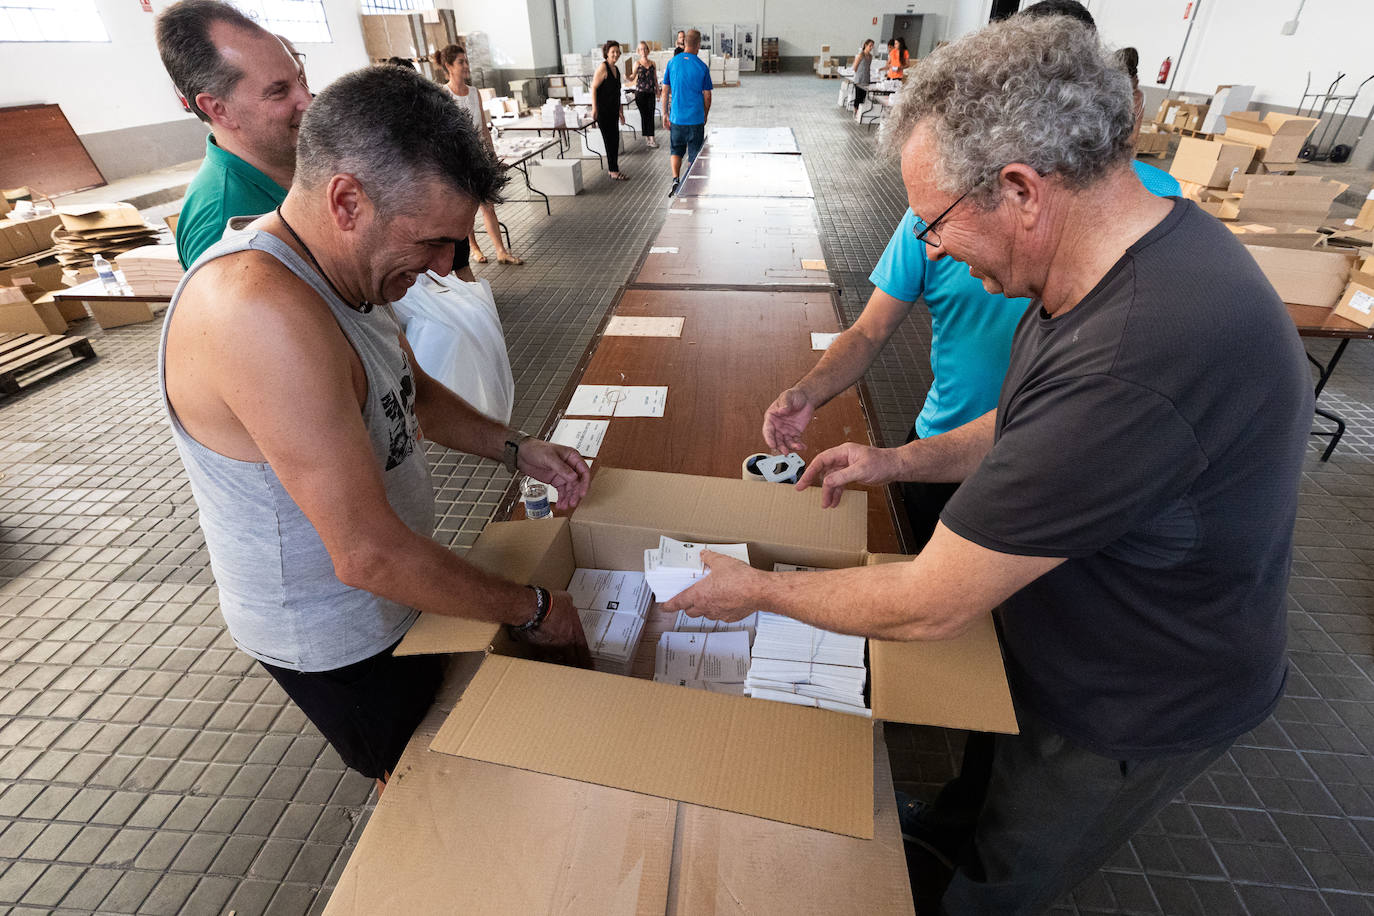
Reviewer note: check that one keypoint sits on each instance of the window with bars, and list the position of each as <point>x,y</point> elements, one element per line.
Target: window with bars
<point>297,20</point>
<point>51,20</point>
<point>378,7</point>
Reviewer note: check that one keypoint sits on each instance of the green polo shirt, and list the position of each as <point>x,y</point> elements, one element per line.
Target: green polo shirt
<point>225,187</point>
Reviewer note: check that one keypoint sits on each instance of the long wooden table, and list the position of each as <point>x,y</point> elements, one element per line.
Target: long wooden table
<point>452,834</point>
<point>738,351</point>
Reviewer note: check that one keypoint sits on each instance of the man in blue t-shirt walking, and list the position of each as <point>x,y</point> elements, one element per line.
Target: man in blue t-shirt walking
<point>686,103</point>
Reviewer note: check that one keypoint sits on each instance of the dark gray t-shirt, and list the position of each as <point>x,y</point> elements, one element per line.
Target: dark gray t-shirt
<point>1154,436</point>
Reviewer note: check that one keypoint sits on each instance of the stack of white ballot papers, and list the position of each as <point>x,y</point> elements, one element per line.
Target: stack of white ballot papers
<point>613,605</point>
<point>675,565</point>
<point>717,662</point>
<point>794,662</point>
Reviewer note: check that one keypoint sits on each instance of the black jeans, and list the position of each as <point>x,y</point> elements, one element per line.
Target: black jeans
<point>610,138</point>
<point>645,102</point>
<point>860,93</point>
<point>924,503</point>
<point>1033,815</point>
<point>367,710</point>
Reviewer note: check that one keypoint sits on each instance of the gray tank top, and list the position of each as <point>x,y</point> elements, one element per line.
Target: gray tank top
<point>279,596</point>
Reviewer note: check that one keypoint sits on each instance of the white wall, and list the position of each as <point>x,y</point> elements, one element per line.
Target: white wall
<point>802,26</point>
<point>653,22</point>
<point>967,16</point>
<point>507,26</point>
<point>1238,41</point>
<point>121,83</point>
<point>543,33</point>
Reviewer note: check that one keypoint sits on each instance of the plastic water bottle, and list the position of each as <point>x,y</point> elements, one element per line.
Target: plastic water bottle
<point>535,495</point>
<point>105,271</point>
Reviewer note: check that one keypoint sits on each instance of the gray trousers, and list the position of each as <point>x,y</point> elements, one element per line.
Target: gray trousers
<point>1042,814</point>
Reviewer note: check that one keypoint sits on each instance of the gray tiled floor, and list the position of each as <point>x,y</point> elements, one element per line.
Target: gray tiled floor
<point>145,766</point>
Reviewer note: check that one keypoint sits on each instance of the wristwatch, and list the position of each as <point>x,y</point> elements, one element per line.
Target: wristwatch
<point>542,601</point>
<point>510,457</point>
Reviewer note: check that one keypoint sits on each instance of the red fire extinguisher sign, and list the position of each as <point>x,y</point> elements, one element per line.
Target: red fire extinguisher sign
<point>1187,11</point>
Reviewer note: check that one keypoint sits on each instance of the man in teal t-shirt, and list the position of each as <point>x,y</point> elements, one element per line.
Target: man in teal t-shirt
<point>250,88</point>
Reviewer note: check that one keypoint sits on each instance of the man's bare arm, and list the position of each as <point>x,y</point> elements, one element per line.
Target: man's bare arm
<point>842,364</point>
<point>934,596</point>
<point>314,438</point>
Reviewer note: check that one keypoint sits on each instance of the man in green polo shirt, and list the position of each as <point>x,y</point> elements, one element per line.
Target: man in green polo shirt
<point>248,86</point>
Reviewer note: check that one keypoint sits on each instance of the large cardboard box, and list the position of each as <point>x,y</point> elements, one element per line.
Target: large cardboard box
<point>21,237</point>
<point>1302,276</point>
<point>1365,218</point>
<point>33,279</point>
<point>1357,304</point>
<point>20,316</point>
<point>1152,142</point>
<point>1289,200</point>
<point>802,766</point>
<point>1279,137</point>
<point>1210,163</point>
<point>99,217</point>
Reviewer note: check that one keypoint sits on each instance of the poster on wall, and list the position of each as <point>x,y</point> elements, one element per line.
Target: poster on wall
<point>723,37</point>
<point>746,38</point>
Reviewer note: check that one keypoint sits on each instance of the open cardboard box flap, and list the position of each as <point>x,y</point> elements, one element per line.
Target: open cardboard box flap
<point>799,765</point>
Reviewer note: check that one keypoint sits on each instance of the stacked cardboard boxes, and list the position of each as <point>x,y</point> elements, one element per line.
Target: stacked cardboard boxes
<point>824,64</point>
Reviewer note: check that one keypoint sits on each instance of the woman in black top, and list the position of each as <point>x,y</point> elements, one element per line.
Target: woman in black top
<point>645,75</point>
<point>607,110</point>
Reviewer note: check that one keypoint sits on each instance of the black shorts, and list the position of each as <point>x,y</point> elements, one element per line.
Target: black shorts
<point>368,710</point>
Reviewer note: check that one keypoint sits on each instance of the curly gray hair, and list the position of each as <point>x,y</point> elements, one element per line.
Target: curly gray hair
<point>1043,92</point>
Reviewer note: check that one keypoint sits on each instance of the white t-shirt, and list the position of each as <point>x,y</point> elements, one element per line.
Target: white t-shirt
<point>472,102</point>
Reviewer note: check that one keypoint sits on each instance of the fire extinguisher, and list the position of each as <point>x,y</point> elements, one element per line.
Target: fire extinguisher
<point>1164,71</point>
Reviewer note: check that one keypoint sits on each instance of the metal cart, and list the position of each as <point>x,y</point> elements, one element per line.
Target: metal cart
<point>1334,108</point>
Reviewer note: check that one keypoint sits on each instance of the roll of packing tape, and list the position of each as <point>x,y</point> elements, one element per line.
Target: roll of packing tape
<point>773,468</point>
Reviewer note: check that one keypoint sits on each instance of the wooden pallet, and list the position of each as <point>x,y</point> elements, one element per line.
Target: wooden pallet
<point>1188,132</point>
<point>29,358</point>
<point>828,76</point>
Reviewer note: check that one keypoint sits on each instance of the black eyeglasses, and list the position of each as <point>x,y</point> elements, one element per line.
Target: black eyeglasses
<point>928,233</point>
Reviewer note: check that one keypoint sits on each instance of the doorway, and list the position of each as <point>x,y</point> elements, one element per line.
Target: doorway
<point>1001,9</point>
<point>908,29</point>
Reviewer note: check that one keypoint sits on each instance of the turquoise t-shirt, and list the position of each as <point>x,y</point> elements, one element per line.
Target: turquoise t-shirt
<point>225,187</point>
<point>970,329</point>
<point>1157,181</point>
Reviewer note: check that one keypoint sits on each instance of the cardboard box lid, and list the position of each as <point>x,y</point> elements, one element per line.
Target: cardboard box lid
<point>772,760</point>
<point>1312,276</point>
<point>1298,200</point>
<point>1251,125</point>
<point>520,551</point>
<point>96,216</point>
<point>719,509</point>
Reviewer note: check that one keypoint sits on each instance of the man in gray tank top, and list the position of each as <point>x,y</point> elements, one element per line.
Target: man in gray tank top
<point>300,413</point>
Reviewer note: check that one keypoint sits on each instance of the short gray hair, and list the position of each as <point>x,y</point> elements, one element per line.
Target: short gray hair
<point>1042,92</point>
<point>190,57</point>
<point>394,131</point>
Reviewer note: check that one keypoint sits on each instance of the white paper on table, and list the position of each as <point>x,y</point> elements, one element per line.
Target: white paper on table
<point>634,326</point>
<point>593,401</point>
<point>821,340</point>
<point>583,435</point>
<point>688,556</point>
<point>685,657</point>
<point>664,249</point>
<point>642,401</point>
